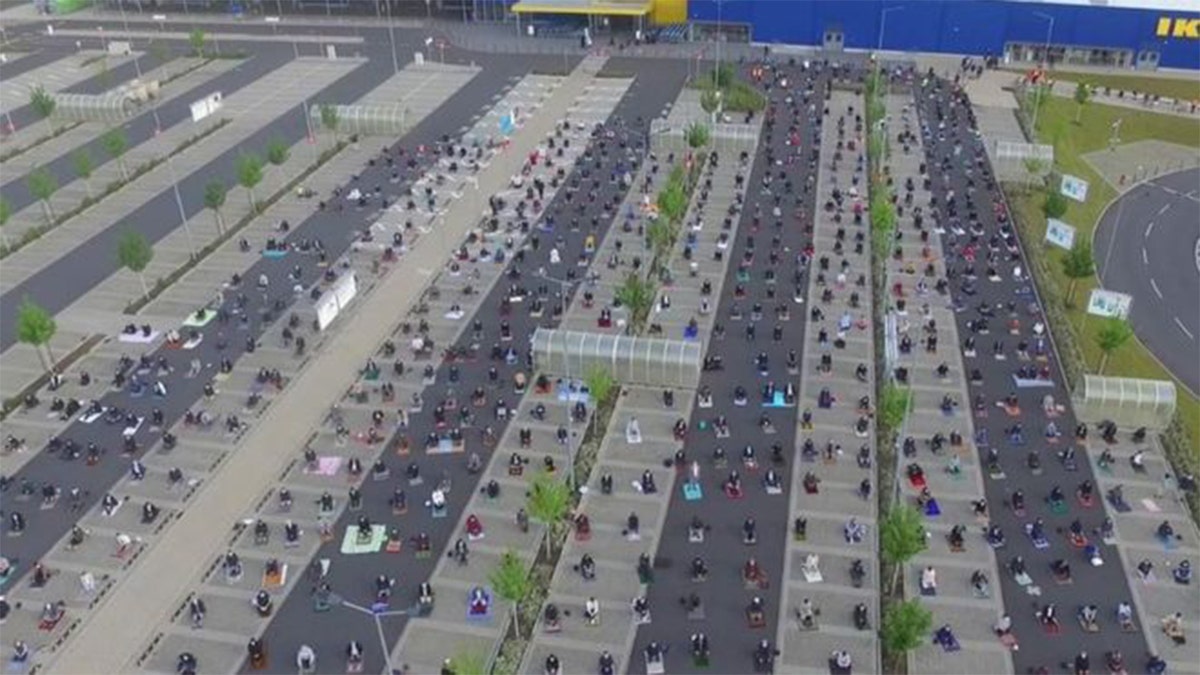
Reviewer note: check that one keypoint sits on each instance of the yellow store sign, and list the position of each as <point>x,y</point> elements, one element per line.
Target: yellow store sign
<point>1178,28</point>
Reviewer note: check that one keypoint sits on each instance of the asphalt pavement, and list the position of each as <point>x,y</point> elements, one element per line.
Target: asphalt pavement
<point>336,229</point>
<point>295,623</point>
<point>766,244</point>
<point>1147,245</point>
<point>967,174</point>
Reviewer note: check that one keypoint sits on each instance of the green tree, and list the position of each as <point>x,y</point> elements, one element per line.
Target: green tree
<point>468,663</point>
<point>36,328</point>
<point>659,234</point>
<point>1083,94</point>
<point>277,151</point>
<point>894,406</point>
<point>330,119</point>
<point>600,383</point>
<point>1077,264</point>
<point>637,294</point>
<point>905,626</point>
<point>135,253</point>
<point>249,175</point>
<point>1113,334</point>
<point>43,104</point>
<point>549,500</point>
<point>1055,205</point>
<point>901,536</point>
<point>710,101</point>
<point>43,185</point>
<point>697,135</point>
<point>672,199</point>
<point>81,159</point>
<point>511,582</point>
<point>115,143</point>
<point>5,214</point>
<point>196,39</point>
<point>214,199</point>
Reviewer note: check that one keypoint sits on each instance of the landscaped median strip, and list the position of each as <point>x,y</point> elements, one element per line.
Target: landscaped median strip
<point>163,283</point>
<point>17,152</point>
<point>34,233</point>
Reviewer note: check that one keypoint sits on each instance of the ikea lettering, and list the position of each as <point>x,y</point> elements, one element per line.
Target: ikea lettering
<point>1178,28</point>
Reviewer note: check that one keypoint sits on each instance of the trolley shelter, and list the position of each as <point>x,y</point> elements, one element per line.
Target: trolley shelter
<point>1126,401</point>
<point>631,360</point>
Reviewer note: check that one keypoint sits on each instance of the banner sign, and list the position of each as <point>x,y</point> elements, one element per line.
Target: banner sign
<point>1109,304</point>
<point>1075,188</point>
<point>333,301</point>
<point>206,106</point>
<point>1060,234</point>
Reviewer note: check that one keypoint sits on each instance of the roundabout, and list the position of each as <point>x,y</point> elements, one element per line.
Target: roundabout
<point>1147,244</point>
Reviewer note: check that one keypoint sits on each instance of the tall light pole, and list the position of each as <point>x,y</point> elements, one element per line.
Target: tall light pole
<point>392,36</point>
<point>187,228</point>
<point>720,34</point>
<point>1037,94</point>
<point>564,289</point>
<point>879,43</point>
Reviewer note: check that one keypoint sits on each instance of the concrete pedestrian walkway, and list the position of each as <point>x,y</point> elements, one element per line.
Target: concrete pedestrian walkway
<point>426,643</point>
<point>134,611</point>
<point>828,470</point>
<point>1152,498</point>
<point>615,548</point>
<point>952,474</point>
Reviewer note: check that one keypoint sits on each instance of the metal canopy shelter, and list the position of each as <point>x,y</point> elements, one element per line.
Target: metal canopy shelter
<point>631,360</point>
<point>1126,401</point>
<point>632,9</point>
<point>109,107</point>
<point>366,120</point>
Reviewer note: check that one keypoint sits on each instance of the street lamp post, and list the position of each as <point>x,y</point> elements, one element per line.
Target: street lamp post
<point>1037,94</point>
<point>564,289</point>
<point>879,45</point>
<point>187,228</point>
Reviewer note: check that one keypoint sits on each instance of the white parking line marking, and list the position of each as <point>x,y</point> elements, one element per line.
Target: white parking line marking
<point>1145,260</point>
<point>1184,329</point>
<point>1164,209</point>
<point>1149,229</point>
<point>1155,287</point>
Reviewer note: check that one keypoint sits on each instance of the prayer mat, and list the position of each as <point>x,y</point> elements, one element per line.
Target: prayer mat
<point>86,418</point>
<point>928,592</point>
<point>274,253</point>
<point>774,490</point>
<point>1036,383</point>
<point>194,342</point>
<point>950,645</point>
<point>655,667</point>
<point>192,321</point>
<point>813,576</point>
<point>1059,508</point>
<point>1168,543</point>
<point>271,581</point>
<point>1151,505</point>
<point>777,401</point>
<point>326,466</point>
<point>917,482</point>
<point>1009,640</point>
<point>351,545</point>
<point>445,446</point>
<point>697,614</point>
<point>932,509</point>
<point>138,338</point>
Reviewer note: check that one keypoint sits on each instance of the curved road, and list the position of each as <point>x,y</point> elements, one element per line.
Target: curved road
<point>1148,245</point>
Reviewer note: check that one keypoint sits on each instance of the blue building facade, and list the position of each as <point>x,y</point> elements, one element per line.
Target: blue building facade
<point>1142,38</point>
